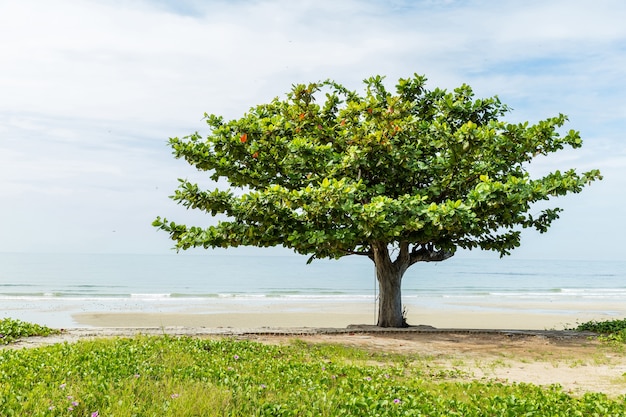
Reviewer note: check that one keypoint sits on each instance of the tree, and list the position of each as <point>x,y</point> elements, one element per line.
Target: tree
<point>399,178</point>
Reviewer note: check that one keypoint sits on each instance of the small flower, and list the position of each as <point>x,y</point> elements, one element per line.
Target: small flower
<point>236,357</point>
<point>136,375</point>
<point>69,397</point>
<point>70,408</point>
<point>62,386</point>
<point>95,414</point>
<point>263,386</point>
<point>397,401</point>
<point>175,395</point>
<point>51,408</point>
<point>368,378</point>
<point>74,403</point>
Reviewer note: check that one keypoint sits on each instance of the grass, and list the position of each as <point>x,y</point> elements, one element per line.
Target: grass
<point>182,376</point>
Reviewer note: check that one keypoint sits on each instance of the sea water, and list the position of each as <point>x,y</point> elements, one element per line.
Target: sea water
<point>53,284</point>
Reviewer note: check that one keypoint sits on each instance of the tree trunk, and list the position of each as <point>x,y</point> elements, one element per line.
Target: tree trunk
<point>389,275</point>
<point>390,301</point>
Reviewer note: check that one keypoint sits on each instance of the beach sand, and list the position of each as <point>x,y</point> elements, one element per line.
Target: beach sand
<point>336,315</point>
<point>317,320</point>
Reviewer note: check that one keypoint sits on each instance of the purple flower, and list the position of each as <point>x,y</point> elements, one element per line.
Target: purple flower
<point>236,357</point>
<point>74,403</point>
<point>175,395</point>
<point>95,414</point>
<point>397,401</point>
<point>369,378</point>
<point>62,386</point>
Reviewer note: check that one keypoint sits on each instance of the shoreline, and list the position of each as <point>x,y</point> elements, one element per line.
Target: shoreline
<point>451,314</point>
<point>256,320</point>
<point>521,316</point>
<point>74,291</point>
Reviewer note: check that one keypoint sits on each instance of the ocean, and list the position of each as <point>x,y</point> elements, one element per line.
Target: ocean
<point>45,287</point>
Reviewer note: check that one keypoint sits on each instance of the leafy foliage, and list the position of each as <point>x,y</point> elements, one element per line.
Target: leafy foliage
<point>418,172</point>
<point>607,326</point>
<point>180,377</point>
<point>434,169</point>
<point>610,330</point>
<point>12,329</point>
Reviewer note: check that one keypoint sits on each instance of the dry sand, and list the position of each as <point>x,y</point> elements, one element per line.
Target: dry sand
<point>336,315</point>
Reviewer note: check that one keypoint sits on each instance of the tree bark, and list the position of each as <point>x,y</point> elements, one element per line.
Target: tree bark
<point>389,275</point>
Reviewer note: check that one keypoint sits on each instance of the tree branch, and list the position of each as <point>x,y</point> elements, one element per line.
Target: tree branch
<point>403,261</point>
<point>428,253</point>
<point>359,252</point>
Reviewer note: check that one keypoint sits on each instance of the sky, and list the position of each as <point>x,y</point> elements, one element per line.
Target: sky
<point>91,90</point>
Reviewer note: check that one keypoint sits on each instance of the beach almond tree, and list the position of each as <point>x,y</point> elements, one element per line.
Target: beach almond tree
<point>399,177</point>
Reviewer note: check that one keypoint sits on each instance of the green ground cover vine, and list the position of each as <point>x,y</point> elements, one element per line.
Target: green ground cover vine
<point>610,330</point>
<point>606,326</point>
<point>171,376</point>
<point>12,329</point>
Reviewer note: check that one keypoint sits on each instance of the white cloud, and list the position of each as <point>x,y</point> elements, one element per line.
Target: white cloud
<point>91,90</point>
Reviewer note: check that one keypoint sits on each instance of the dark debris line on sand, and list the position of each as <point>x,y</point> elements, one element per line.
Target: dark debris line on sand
<point>71,335</point>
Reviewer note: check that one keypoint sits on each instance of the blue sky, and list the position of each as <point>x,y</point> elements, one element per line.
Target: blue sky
<point>91,90</point>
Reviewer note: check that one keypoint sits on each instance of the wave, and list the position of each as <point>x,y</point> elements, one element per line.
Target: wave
<point>178,297</point>
<point>149,296</point>
<point>328,294</point>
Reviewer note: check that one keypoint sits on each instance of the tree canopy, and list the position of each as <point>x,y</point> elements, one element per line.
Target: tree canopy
<point>328,172</point>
